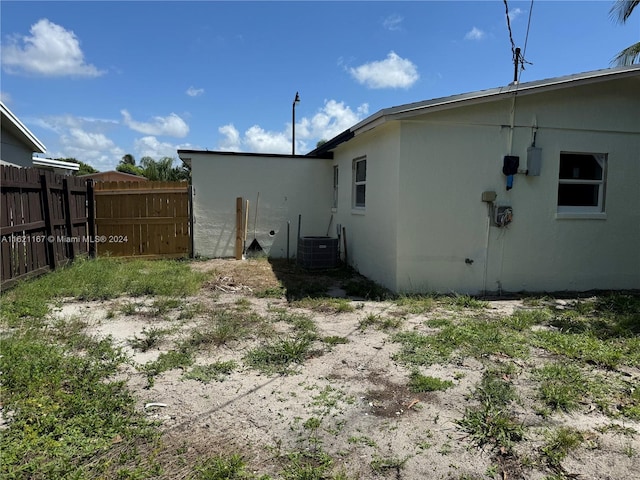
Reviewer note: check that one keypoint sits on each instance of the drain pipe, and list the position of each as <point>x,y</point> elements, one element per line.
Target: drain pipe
<point>489,198</point>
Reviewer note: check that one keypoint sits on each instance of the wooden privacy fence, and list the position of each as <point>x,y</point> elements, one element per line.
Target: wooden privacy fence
<point>143,219</point>
<point>43,221</point>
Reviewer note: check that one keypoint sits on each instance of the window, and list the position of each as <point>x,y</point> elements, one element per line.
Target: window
<point>335,186</point>
<point>582,182</point>
<point>359,182</point>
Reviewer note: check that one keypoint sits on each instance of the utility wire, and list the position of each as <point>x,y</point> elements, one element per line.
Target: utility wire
<point>526,40</point>
<point>513,45</point>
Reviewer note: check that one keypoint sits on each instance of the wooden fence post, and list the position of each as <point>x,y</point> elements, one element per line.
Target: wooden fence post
<point>48,222</point>
<point>71,245</point>
<point>91,218</point>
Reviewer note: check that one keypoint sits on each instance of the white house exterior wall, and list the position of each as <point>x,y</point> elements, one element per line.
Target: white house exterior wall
<point>15,151</point>
<point>287,187</point>
<point>372,233</point>
<point>449,158</point>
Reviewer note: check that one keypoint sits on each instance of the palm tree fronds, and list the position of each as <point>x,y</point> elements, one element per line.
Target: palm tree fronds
<point>621,9</point>
<point>628,56</point>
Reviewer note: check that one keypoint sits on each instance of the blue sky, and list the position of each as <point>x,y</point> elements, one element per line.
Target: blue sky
<point>95,80</point>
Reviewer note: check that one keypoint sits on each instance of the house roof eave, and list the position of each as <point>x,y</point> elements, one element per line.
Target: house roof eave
<point>18,128</point>
<point>416,108</point>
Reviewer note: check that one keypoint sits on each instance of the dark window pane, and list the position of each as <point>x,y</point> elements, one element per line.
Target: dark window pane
<point>360,195</point>
<point>361,171</point>
<point>578,195</point>
<point>579,167</point>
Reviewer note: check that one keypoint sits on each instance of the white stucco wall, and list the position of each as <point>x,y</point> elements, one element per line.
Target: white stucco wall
<point>372,232</point>
<point>425,228</point>
<point>449,158</point>
<point>287,187</point>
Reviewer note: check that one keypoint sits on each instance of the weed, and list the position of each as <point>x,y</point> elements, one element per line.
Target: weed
<point>422,383</point>
<point>307,466</point>
<point>325,305</point>
<point>167,361</point>
<point>522,320</point>
<point>150,338</point>
<point>230,467</point>
<point>335,340</point>
<point>415,304</point>
<point>463,301</point>
<point>161,306</point>
<point>271,292</point>
<point>383,464</point>
<point>438,322</point>
<point>303,325</point>
<point>379,322</point>
<point>491,422</point>
<point>476,338</point>
<point>559,443</point>
<point>216,371</point>
<point>278,356</point>
<point>189,311</point>
<point>562,386</point>
<point>130,308</point>
<point>364,440</point>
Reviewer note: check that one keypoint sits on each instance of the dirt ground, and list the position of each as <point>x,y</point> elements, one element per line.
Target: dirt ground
<point>371,424</point>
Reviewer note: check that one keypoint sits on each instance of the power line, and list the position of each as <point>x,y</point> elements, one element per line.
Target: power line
<point>526,40</point>
<point>513,45</point>
<point>518,58</point>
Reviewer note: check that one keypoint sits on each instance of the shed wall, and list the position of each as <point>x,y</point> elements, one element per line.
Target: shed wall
<point>279,189</point>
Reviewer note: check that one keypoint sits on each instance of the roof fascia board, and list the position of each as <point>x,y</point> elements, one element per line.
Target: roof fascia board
<point>29,137</point>
<point>49,162</point>
<point>483,96</point>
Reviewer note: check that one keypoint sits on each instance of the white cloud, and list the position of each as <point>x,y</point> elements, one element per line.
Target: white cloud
<point>392,72</point>
<point>194,92</point>
<point>515,13</point>
<point>50,51</point>
<point>475,34</point>
<point>150,146</point>
<point>329,121</point>
<point>231,141</point>
<point>5,98</point>
<point>171,125</point>
<point>393,22</point>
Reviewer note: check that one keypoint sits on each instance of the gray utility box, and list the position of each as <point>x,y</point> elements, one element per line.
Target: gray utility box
<point>317,252</point>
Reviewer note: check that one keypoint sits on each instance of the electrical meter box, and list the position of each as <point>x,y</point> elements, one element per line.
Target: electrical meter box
<point>534,161</point>
<point>503,216</point>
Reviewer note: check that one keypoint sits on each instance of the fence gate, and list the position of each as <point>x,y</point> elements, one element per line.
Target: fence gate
<point>143,219</point>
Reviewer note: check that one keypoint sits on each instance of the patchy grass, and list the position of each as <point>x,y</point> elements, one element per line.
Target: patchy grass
<point>424,383</point>
<point>278,356</point>
<point>64,411</point>
<point>379,322</point>
<point>99,279</point>
<point>216,371</point>
<point>325,305</point>
<point>476,338</point>
<point>491,422</point>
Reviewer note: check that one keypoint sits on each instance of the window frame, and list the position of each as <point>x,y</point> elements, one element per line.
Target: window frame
<point>599,208</point>
<point>356,184</point>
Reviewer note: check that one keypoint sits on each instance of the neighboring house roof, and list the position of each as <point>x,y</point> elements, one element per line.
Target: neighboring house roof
<point>50,162</point>
<point>113,175</point>
<point>17,128</point>
<point>418,108</point>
